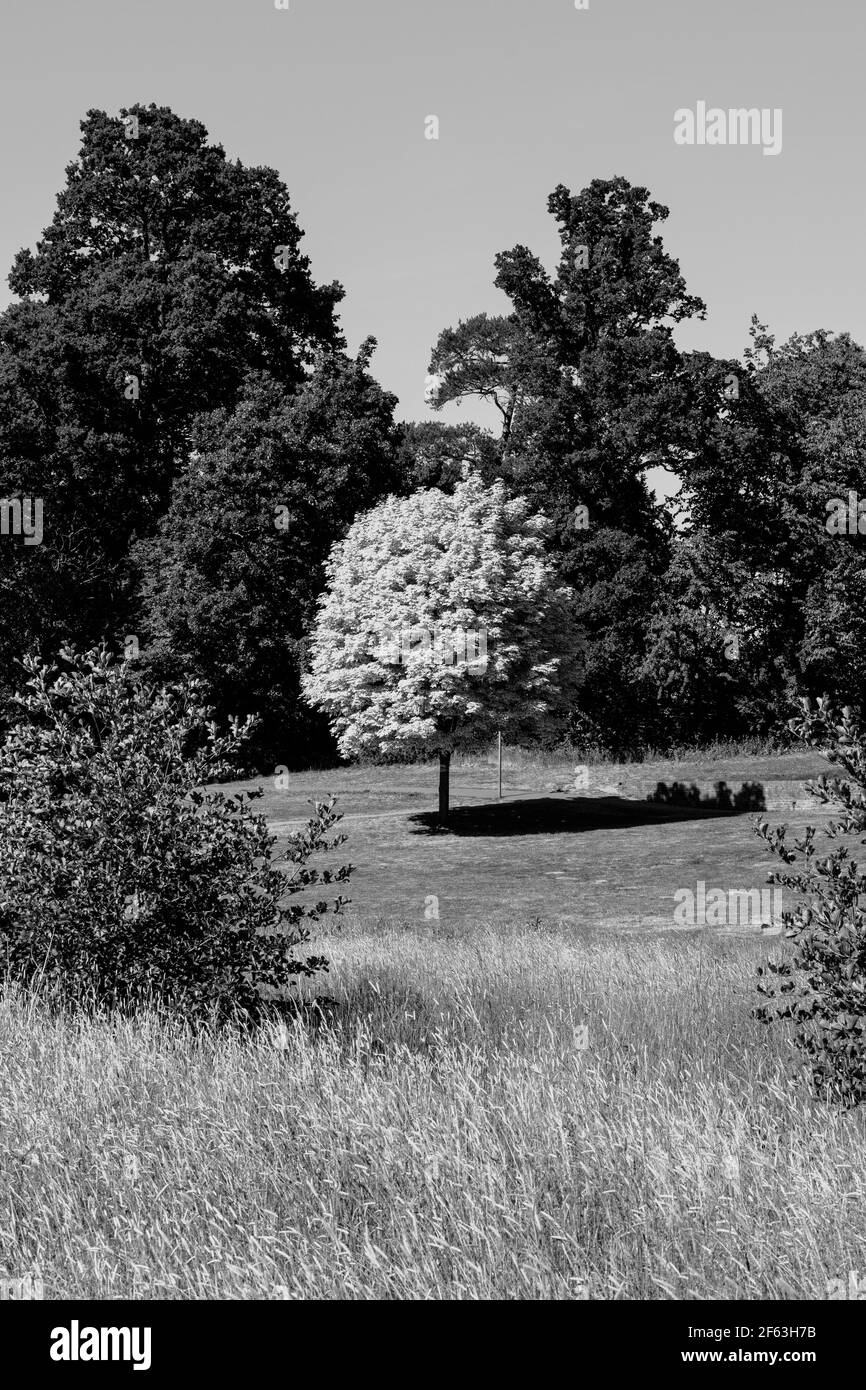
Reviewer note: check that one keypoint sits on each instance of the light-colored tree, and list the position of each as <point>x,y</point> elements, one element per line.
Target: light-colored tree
<point>443,621</point>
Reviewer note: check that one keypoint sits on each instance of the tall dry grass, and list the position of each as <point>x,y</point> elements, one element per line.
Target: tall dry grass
<point>444,1136</point>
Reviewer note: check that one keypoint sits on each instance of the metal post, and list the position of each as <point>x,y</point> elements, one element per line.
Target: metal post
<point>499,742</point>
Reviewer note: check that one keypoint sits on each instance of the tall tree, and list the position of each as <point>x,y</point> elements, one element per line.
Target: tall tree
<point>481,357</point>
<point>763,479</point>
<point>603,396</point>
<point>230,580</point>
<point>166,276</point>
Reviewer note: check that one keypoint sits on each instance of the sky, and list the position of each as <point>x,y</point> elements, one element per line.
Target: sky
<point>335,95</point>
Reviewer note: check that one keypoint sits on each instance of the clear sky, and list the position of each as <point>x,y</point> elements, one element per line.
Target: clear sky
<point>529,94</point>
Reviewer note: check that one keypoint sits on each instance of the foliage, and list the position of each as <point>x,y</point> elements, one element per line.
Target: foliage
<point>158,275</point>
<point>833,651</point>
<point>470,562</point>
<point>759,480</point>
<point>230,580</point>
<point>122,878</point>
<point>593,393</point>
<point>710,644</point>
<point>822,989</point>
<point>433,454</point>
<point>480,357</point>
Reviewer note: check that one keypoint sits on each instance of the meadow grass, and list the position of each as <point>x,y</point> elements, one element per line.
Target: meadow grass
<point>445,1134</point>
<point>598,755</point>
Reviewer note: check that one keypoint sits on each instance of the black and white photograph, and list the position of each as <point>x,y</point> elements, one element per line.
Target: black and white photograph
<point>432,699</point>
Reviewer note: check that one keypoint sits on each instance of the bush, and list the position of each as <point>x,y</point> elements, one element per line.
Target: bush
<point>822,988</point>
<point>122,879</point>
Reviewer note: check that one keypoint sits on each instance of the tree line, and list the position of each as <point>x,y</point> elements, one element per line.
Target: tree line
<point>176,391</point>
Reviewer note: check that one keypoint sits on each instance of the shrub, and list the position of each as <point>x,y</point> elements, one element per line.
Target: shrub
<point>122,878</point>
<point>822,987</point>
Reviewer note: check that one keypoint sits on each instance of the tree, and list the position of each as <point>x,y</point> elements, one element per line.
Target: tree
<point>709,644</point>
<point>602,395</point>
<point>603,382</point>
<point>833,651</point>
<point>480,357</point>
<point>230,580</point>
<point>123,879</point>
<point>761,479</point>
<point>442,622</point>
<point>167,275</point>
<point>433,454</point>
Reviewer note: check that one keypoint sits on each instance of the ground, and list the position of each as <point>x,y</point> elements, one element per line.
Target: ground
<point>604,857</point>
<point>548,1093</point>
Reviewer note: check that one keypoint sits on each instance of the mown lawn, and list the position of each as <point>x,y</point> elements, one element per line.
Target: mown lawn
<point>600,858</point>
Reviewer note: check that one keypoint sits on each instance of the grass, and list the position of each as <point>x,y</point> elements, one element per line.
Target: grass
<point>603,858</point>
<point>592,755</point>
<point>548,1092</point>
<point>444,1135</point>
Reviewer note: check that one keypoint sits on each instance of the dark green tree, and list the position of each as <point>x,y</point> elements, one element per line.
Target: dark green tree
<point>594,393</point>
<point>166,276</point>
<point>433,454</point>
<point>765,477</point>
<point>230,580</point>
<point>833,651</point>
<point>482,357</point>
<point>710,651</point>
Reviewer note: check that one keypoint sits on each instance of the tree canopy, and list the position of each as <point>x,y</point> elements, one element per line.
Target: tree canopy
<point>442,622</point>
<point>167,275</point>
<point>229,581</point>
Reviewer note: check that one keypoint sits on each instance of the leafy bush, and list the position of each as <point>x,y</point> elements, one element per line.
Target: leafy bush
<point>122,879</point>
<point>822,988</point>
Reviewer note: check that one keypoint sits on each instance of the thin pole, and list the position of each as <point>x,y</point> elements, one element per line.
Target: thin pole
<point>499,742</point>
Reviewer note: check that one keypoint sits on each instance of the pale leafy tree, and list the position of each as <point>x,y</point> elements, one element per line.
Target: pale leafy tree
<point>443,621</point>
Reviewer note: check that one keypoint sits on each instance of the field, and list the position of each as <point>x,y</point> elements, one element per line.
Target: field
<point>597,859</point>
<point>547,1092</point>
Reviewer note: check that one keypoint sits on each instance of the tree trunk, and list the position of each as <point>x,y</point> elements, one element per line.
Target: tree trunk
<point>508,424</point>
<point>444,767</point>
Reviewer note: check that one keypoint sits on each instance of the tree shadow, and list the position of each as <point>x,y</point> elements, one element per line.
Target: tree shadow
<point>750,797</point>
<point>560,816</point>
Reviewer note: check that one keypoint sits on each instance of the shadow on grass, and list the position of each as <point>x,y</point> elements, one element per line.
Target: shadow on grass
<point>394,1011</point>
<point>557,816</point>
<point>750,797</point>
<point>313,1013</point>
